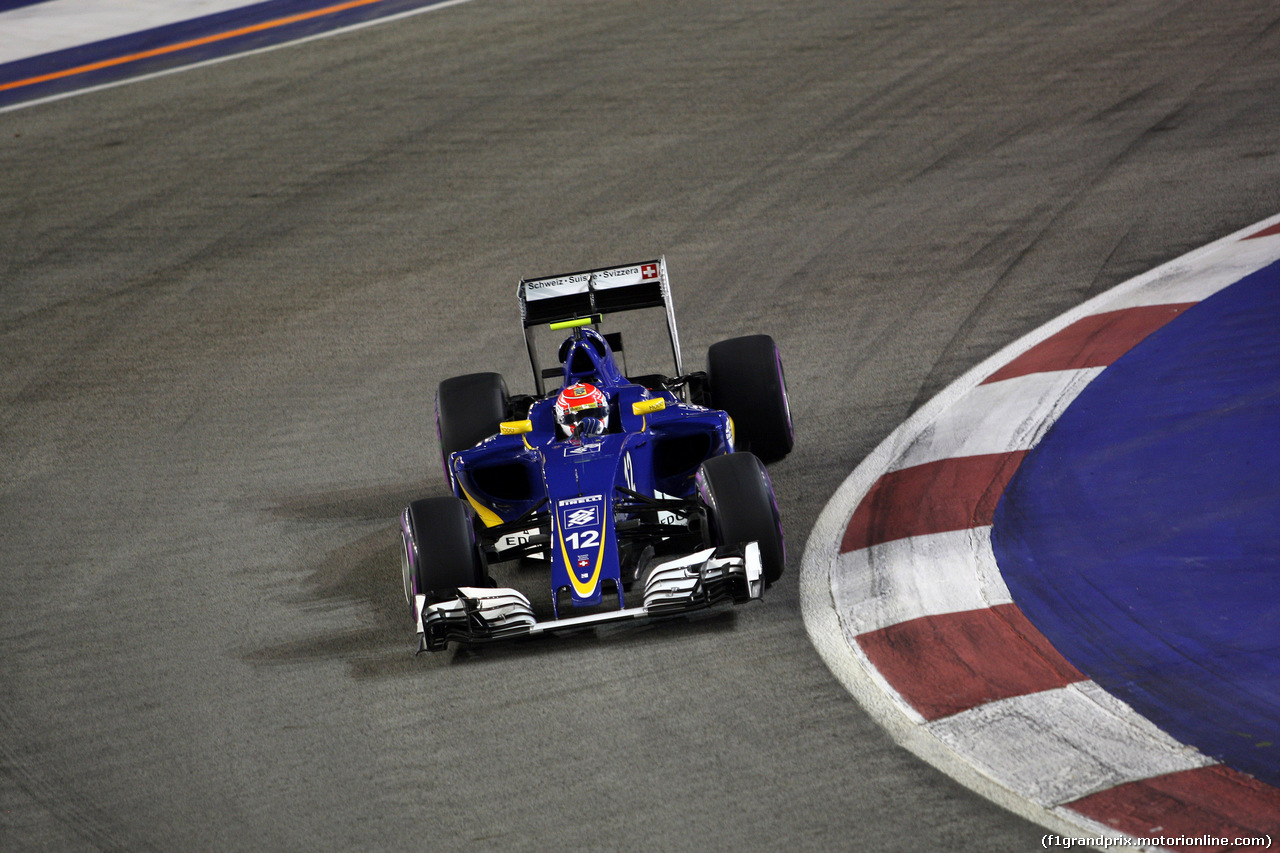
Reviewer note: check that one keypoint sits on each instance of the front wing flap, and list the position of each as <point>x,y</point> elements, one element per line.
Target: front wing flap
<point>682,585</point>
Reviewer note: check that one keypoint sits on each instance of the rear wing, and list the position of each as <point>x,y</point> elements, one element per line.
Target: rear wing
<point>587,296</point>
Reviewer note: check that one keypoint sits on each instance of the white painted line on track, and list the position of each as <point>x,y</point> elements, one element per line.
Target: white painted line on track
<point>1057,746</point>
<point>445,4</point>
<point>60,24</point>
<point>997,418</point>
<point>906,579</point>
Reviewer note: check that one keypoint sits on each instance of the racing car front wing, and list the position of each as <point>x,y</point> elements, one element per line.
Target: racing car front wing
<point>683,585</point>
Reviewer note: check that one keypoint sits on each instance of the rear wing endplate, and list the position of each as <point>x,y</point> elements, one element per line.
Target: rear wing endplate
<point>591,293</point>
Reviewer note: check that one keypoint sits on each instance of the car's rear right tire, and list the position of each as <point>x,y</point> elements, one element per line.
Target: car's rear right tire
<point>745,379</point>
<point>736,491</point>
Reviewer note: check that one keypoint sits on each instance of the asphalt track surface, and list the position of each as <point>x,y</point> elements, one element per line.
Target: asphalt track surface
<point>228,295</point>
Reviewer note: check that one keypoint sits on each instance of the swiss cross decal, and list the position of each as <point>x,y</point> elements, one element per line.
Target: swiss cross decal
<point>648,271</point>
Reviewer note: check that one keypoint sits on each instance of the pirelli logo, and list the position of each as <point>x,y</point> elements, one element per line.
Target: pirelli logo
<point>576,501</point>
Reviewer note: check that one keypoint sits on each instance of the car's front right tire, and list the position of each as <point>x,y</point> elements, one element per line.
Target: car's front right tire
<point>738,496</point>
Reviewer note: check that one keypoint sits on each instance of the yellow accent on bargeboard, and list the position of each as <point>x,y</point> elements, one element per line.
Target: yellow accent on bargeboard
<point>488,516</point>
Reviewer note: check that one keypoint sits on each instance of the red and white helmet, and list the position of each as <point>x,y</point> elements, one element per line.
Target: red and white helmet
<point>579,401</point>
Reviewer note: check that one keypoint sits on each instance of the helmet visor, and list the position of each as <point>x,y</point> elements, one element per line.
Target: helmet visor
<point>569,417</point>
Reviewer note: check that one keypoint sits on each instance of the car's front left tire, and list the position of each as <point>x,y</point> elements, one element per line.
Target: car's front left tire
<point>440,552</point>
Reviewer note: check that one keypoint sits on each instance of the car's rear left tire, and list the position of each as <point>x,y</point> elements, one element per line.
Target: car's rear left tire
<point>469,409</point>
<point>740,504</point>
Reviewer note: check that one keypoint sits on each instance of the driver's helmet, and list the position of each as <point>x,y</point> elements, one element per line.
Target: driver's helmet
<point>579,402</point>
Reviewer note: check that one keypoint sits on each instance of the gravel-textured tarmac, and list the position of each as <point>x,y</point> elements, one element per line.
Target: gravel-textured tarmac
<point>227,295</point>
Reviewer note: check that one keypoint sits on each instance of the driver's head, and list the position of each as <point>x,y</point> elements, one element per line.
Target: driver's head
<point>580,401</point>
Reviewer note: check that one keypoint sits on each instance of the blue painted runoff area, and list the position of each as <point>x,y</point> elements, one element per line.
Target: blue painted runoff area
<point>1142,535</point>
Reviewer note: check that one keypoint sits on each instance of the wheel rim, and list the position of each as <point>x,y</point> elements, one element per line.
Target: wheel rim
<point>786,400</point>
<point>406,560</point>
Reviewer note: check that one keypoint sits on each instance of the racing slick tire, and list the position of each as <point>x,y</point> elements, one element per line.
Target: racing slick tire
<point>469,409</point>
<point>440,550</point>
<point>746,380</point>
<point>736,491</point>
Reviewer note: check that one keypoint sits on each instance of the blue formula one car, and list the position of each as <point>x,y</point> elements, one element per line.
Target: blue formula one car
<point>638,496</point>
